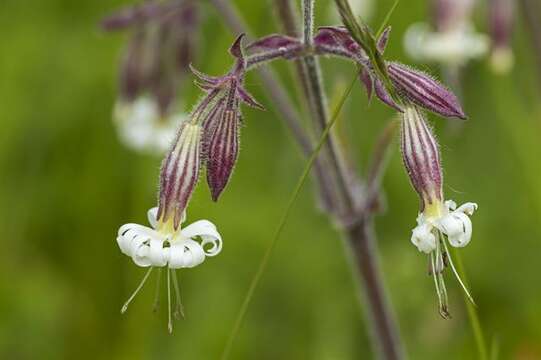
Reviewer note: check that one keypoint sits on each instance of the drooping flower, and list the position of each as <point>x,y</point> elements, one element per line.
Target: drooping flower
<point>141,127</point>
<point>163,246</point>
<point>451,40</point>
<point>439,222</point>
<point>154,64</point>
<point>209,136</point>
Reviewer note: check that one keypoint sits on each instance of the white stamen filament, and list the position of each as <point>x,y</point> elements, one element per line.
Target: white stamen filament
<point>127,303</point>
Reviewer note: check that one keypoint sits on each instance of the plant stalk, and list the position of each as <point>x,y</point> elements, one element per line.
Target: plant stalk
<point>285,107</point>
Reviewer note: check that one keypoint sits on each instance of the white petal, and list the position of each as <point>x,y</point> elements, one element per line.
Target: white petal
<point>156,253</point>
<point>129,234</point>
<point>208,233</point>
<point>140,257</point>
<point>467,208</point>
<point>185,254</point>
<point>462,237</point>
<point>152,215</point>
<point>450,204</point>
<point>423,238</point>
<point>136,240</point>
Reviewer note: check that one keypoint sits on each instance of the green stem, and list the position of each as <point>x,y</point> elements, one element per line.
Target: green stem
<point>264,261</point>
<point>472,310</point>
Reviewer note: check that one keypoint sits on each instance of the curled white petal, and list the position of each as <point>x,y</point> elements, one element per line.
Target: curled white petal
<point>183,249</point>
<point>458,228</point>
<point>208,233</point>
<point>131,236</point>
<point>186,254</point>
<point>467,208</point>
<point>152,215</point>
<point>423,238</point>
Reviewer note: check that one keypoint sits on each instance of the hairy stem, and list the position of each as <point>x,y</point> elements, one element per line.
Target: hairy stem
<point>360,235</point>
<point>357,221</point>
<point>320,116</point>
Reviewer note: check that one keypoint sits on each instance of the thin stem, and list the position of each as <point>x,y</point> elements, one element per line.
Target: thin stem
<point>169,318</point>
<point>179,309</point>
<point>308,17</point>
<point>156,302</point>
<point>320,117</point>
<point>284,105</point>
<point>362,239</point>
<point>281,224</point>
<point>377,166</point>
<point>472,312</point>
<point>384,330</point>
<point>139,287</point>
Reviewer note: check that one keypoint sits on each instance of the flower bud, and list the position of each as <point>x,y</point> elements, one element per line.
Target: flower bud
<point>222,152</point>
<point>424,91</point>
<point>421,158</point>
<point>179,174</point>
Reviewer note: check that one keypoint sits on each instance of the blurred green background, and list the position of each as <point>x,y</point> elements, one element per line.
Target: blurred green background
<point>67,184</point>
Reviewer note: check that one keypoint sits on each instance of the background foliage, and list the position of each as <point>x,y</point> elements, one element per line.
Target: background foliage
<point>67,183</point>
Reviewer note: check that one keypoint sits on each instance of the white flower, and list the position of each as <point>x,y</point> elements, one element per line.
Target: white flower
<point>454,223</point>
<point>176,249</point>
<point>141,127</point>
<point>438,224</point>
<point>164,247</point>
<point>453,47</point>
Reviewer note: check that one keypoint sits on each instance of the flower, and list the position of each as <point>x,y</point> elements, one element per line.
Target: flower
<point>141,127</point>
<point>452,41</point>
<point>155,63</point>
<point>163,246</point>
<point>439,222</point>
<point>452,222</point>
<point>453,47</point>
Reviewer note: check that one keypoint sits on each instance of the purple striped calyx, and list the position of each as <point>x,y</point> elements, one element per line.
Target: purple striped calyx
<point>179,174</point>
<point>421,157</point>
<point>209,137</point>
<point>219,115</point>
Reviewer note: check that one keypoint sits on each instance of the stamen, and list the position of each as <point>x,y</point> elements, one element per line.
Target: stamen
<point>468,295</point>
<point>169,321</point>
<point>441,291</point>
<point>156,303</point>
<point>127,303</point>
<point>179,309</point>
<point>444,309</point>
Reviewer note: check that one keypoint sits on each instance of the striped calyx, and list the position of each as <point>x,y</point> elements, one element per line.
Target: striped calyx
<point>421,158</point>
<point>223,150</point>
<point>179,174</point>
